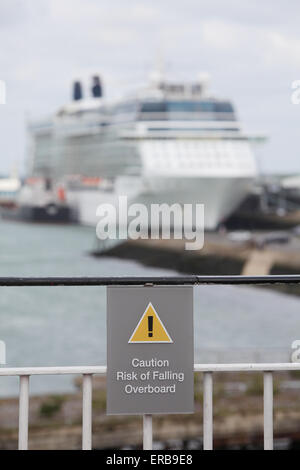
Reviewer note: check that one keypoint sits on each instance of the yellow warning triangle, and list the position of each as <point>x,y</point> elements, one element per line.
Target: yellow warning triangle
<point>150,328</point>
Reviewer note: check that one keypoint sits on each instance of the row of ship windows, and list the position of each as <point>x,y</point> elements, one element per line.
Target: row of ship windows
<point>188,149</point>
<point>198,150</point>
<point>158,145</point>
<point>201,163</point>
<point>154,147</point>
<point>198,156</point>
<point>155,160</point>
<point>203,169</point>
<point>153,153</point>
<point>196,146</point>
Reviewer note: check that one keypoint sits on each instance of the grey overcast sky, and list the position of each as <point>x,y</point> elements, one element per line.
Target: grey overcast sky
<point>251,49</point>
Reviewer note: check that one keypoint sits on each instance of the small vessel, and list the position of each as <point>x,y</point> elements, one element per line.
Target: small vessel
<point>39,201</point>
<point>9,188</point>
<point>168,143</point>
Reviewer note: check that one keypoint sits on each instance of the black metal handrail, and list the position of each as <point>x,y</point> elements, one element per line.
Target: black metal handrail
<point>144,281</point>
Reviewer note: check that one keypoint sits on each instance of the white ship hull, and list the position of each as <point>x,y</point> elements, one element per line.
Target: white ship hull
<point>217,174</point>
<point>220,197</point>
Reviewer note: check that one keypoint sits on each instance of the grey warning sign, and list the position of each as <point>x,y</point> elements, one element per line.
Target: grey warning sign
<point>150,350</point>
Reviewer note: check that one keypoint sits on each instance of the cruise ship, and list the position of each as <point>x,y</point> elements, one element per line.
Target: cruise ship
<point>167,143</point>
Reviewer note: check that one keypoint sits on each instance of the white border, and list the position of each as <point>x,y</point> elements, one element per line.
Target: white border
<point>132,342</point>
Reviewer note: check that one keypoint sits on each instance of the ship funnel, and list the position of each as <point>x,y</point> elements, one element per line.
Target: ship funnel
<point>97,91</point>
<point>77,91</point>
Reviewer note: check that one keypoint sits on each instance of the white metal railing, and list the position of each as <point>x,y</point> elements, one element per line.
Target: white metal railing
<point>87,373</point>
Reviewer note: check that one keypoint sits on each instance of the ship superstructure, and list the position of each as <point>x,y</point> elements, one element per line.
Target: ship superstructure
<point>170,142</point>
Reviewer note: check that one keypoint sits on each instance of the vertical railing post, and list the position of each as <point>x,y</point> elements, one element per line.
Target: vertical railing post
<point>268,410</point>
<point>23,412</point>
<point>147,432</point>
<point>87,385</point>
<point>207,411</point>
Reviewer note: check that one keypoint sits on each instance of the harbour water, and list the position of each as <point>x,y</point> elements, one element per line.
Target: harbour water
<point>67,325</point>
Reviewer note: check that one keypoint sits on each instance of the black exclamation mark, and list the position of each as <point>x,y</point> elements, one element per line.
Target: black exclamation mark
<point>150,326</point>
